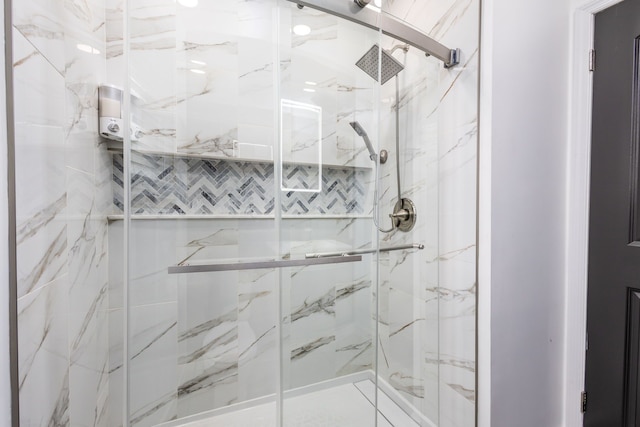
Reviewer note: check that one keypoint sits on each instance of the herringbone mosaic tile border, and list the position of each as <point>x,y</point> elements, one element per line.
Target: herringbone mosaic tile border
<point>191,186</point>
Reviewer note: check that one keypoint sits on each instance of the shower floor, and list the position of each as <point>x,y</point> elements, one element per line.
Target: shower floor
<point>347,405</point>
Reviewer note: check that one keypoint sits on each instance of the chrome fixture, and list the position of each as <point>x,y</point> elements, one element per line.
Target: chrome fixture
<point>260,264</point>
<point>362,3</point>
<point>390,66</point>
<point>404,215</point>
<point>403,47</point>
<point>365,251</point>
<point>388,24</point>
<point>372,154</point>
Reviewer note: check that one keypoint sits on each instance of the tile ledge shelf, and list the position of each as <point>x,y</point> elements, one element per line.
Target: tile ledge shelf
<point>242,217</point>
<point>116,148</point>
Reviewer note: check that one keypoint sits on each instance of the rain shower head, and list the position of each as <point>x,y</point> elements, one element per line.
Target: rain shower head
<point>369,64</point>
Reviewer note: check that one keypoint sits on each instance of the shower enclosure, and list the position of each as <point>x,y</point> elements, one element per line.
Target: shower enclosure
<point>240,215</point>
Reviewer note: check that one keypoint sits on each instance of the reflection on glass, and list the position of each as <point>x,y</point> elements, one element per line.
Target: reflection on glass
<point>301,146</point>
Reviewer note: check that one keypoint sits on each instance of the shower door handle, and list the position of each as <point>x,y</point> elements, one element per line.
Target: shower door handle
<point>255,265</point>
<point>418,246</point>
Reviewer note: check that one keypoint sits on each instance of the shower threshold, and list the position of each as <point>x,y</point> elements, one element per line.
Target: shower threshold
<point>343,402</point>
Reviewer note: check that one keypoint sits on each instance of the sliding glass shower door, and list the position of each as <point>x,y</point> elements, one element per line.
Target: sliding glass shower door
<point>244,188</point>
<point>228,213</point>
<point>327,193</point>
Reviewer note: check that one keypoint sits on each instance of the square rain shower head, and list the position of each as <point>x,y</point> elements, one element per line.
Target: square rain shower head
<point>369,64</point>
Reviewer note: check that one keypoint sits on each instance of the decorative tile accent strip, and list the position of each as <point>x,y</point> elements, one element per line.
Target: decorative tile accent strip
<point>193,186</point>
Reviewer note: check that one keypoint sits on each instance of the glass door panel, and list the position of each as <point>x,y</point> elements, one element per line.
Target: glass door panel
<point>253,169</point>
<point>408,338</point>
<point>327,193</point>
<point>202,192</point>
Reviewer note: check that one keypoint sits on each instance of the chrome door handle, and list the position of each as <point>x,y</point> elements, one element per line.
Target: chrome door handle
<point>255,265</point>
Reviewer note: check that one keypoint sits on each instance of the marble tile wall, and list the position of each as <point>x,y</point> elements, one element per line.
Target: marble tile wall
<point>206,84</point>
<point>205,80</point>
<point>63,196</point>
<point>203,341</point>
<point>431,297</point>
<point>190,106</point>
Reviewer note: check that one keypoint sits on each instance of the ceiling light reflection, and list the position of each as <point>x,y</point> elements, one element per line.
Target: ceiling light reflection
<point>188,3</point>
<point>302,30</point>
<point>88,49</point>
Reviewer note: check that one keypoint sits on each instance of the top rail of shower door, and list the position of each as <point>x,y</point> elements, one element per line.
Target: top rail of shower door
<point>388,24</point>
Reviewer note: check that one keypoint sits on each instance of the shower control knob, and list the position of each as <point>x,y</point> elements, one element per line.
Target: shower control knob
<point>402,215</point>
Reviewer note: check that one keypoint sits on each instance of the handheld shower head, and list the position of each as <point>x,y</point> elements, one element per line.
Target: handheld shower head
<point>363,134</point>
<point>359,130</point>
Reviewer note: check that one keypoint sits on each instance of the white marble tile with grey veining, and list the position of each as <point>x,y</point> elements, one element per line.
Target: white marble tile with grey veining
<point>39,86</point>
<point>114,409</point>
<point>207,316</point>
<point>211,339</point>
<point>153,251</point>
<point>153,74</point>
<point>41,202</point>
<point>152,368</point>
<point>310,362</point>
<point>407,319</point>
<point>85,21</point>
<point>354,349</point>
<point>206,385</point>
<point>42,335</point>
<point>88,292</point>
<point>219,244</point>
<point>85,71</point>
<point>42,23</point>
<point>257,333</point>
<point>88,372</point>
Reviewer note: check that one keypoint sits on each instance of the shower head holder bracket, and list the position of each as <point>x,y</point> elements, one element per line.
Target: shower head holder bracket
<point>383,156</point>
<point>454,58</point>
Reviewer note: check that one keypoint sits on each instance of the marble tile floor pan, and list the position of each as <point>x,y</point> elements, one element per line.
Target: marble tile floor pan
<point>345,405</point>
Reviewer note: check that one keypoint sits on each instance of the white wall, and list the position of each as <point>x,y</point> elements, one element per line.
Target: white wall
<point>5,386</point>
<point>523,151</point>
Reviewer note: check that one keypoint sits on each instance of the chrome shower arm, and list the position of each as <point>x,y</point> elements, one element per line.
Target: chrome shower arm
<point>388,24</point>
